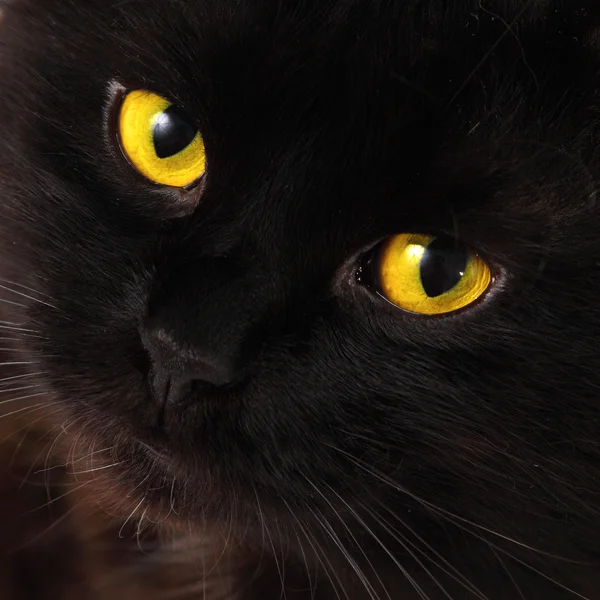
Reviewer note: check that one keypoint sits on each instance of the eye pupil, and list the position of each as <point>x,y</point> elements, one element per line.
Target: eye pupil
<point>442,266</point>
<point>172,132</point>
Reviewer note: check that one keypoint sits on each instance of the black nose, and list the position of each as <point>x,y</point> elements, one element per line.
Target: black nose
<point>205,324</point>
<point>176,365</point>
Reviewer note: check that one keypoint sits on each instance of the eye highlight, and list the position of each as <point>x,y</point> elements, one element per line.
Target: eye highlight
<point>429,275</point>
<point>160,140</point>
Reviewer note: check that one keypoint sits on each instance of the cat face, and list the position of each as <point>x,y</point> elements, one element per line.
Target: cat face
<point>243,328</point>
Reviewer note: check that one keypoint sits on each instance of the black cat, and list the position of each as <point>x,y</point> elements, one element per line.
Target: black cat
<point>321,274</point>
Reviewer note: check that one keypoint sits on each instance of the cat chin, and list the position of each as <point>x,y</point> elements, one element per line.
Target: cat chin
<point>135,477</point>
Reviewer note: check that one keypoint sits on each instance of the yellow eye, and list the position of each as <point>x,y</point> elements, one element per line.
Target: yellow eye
<point>160,140</point>
<point>430,275</point>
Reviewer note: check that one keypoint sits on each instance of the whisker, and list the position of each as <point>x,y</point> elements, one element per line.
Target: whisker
<point>129,517</point>
<point>217,563</point>
<point>138,485</point>
<point>22,376</point>
<point>519,560</point>
<point>138,531</point>
<point>313,589</point>
<point>3,287</point>
<point>322,556</point>
<point>172,499</point>
<point>14,363</point>
<point>361,521</point>
<point>19,389</point>
<point>22,398</point>
<point>283,557</point>
<point>73,462</point>
<point>93,470</point>
<point>53,500</point>
<point>352,563</point>
<point>73,448</point>
<point>262,528</point>
<point>3,300</point>
<point>15,328</point>
<point>47,530</point>
<point>407,545</point>
<point>48,469</point>
<point>47,461</point>
<point>455,574</point>
<point>440,511</point>
<point>506,569</point>
<point>278,566</point>
<point>25,408</point>
<point>9,282</point>
<point>336,540</point>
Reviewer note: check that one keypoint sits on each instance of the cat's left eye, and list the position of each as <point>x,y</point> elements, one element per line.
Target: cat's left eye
<point>160,140</point>
<point>428,275</point>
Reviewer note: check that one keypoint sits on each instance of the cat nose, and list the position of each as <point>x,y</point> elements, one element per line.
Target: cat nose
<point>176,366</point>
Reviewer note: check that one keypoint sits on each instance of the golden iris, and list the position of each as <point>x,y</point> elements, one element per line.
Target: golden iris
<point>430,275</point>
<point>160,140</point>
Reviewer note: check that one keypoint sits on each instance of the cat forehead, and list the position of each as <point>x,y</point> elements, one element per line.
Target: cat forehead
<point>318,33</point>
<point>271,64</point>
<point>370,84</point>
<point>255,51</point>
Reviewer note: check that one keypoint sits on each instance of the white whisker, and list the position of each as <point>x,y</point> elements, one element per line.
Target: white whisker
<point>454,573</point>
<point>9,282</point>
<point>22,376</point>
<point>322,556</point>
<point>93,470</point>
<point>53,525</point>
<point>172,499</point>
<point>130,516</point>
<point>338,543</point>
<point>22,398</point>
<point>507,571</point>
<point>3,300</point>
<point>3,287</point>
<point>75,461</point>
<point>15,363</point>
<point>312,588</point>
<point>405,543</point>
<point>398,564</point>
<point>29,408</point>
<point>440,511</point>
<point>516,559</point>
<point>53,500</point>
<point>19,389</point>
<point>279,569</point>
<point>352,562</point>
<point>15,328</point>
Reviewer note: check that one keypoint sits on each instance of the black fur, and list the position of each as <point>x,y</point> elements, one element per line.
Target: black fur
<point>462,452</point>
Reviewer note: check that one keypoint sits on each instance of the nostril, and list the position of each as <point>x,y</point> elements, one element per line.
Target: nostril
<point>218,372</point>
<point>178,366</point>
<point>171,389</point>
<point>160,382</point>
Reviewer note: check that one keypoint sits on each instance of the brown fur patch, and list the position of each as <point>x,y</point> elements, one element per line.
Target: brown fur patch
<point>56,541</point>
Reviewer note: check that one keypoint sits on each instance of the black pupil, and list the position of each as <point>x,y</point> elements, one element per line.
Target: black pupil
<point>442,266</point>
<point>173,132</point>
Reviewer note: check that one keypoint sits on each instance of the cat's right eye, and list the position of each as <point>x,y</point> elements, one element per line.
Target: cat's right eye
<point>160,140</point>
